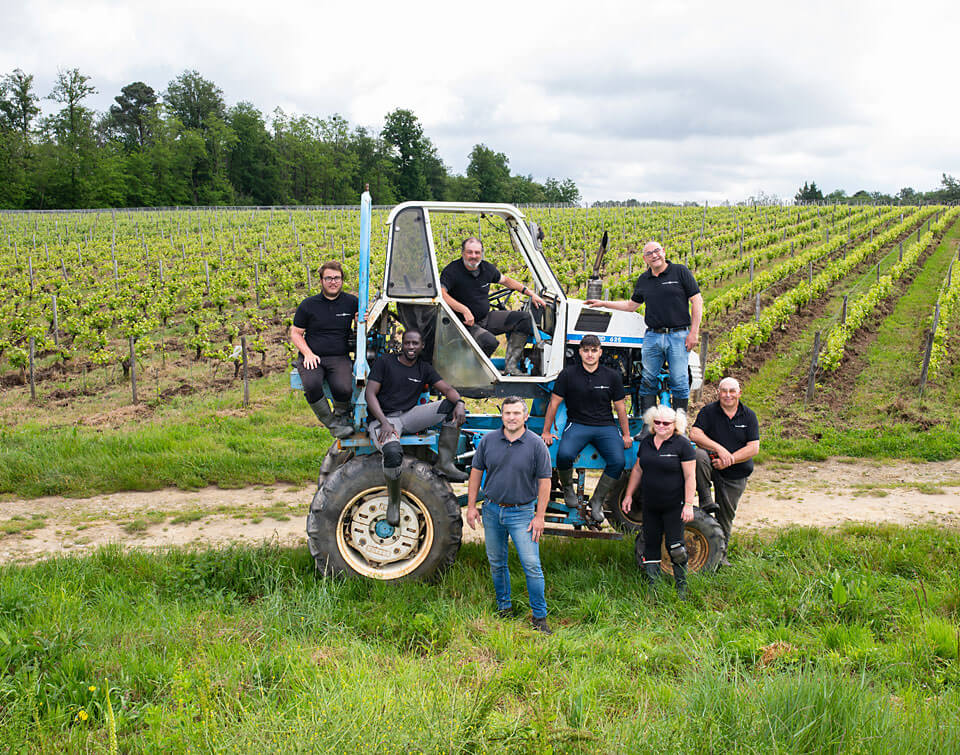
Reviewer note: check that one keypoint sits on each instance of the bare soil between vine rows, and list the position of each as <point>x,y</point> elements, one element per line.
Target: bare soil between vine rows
<point>823,495</point>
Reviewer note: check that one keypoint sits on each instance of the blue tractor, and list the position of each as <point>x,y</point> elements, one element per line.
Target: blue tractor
<point>346,527</point>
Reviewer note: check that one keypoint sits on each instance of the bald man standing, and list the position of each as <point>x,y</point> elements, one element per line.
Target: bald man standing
<point>674,308</point>
<point>727,435</point>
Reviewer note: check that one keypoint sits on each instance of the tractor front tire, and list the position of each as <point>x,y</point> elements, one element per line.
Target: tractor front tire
<point>704,542</point>
<point>348,533</point>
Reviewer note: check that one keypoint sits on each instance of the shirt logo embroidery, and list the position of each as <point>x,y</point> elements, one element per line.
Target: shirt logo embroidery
<point>664,456</point>
<point>413,380</point>
<point>600,387</point>
<point>670,283</point>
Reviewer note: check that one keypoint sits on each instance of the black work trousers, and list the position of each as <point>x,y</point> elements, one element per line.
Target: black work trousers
<point>337,371</point>
<point>500,321</point>
<point>726,492</point>
<point>660,519</point>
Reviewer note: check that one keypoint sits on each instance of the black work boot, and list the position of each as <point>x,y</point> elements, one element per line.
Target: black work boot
<point>680,579</point>
<point>511,361</point>
<point>605,484</point>
<point>570,499</point>
<point>343,413</point>
<point>540,625</point>
<point>681,403</point>
<point>338,430</point>
<point>646,402</point>
<point>446,453</point>
<point>651,572</point>
<point>393,502</point>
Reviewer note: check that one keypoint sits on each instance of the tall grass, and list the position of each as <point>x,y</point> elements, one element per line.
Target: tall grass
<point>811,643</point>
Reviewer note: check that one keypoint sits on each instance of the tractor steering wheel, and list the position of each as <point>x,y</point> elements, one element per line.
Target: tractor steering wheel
<point>498,299</point>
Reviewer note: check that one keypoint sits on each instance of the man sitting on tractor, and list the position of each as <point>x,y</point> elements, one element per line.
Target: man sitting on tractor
<point>588,389</point>
<point>465,286</point>
<point>321,328</point>
<point>393,390</point>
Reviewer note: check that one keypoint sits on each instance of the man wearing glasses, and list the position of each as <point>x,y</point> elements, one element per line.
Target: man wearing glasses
<point>320,331</point>
<point>674,308</point>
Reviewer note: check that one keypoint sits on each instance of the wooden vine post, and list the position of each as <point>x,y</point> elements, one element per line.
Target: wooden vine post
<point>246,381</point>
<point>928,351</point>
<point>812,375</point>
<point>133,369</point>
<point>33,384</point>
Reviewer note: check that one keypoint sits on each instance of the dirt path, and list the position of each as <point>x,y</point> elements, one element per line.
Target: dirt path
<point>822,494</point>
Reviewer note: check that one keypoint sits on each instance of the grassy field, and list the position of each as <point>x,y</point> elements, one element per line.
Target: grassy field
<point>844,642</point>
<point>211,439</point>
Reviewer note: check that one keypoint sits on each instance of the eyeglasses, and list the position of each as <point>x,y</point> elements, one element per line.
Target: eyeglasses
<point>663,422</point>
<point>653,253</point>
<point>330,279</point>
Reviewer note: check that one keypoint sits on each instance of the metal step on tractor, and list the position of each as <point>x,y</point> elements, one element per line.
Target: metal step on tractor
<point>347,528</point>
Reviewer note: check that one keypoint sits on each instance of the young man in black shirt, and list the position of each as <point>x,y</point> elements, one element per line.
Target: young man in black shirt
<point>321,327</point>
<point>393,389</point>
<point>727,435</point>
<point>674,308</point>
<point>589,389</point>
<point>465,286</point>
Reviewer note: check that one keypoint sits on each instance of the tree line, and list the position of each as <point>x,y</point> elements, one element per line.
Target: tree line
<point>948,193</point>
<point>185,146</point>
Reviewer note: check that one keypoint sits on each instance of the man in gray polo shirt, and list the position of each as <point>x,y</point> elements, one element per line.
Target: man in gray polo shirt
<point>516,491</point>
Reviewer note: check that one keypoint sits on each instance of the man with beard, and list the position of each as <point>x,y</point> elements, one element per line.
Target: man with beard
<point>465,286</point>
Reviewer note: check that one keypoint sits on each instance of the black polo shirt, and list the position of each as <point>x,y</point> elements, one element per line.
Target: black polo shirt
<point>328,323</point>
<point>667,296</point>
<point>401,386</point>
<point>588,395</point>
<point>662,479</point>
<point>514,468</point>
<point>470,288</point>
<point>733,433</point>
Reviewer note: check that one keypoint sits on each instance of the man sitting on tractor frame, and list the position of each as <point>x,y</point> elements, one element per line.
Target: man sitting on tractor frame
<point>393,389</point>
<point>465,286</point>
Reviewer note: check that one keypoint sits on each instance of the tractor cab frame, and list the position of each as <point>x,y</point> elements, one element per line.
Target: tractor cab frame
<point>346,527</point>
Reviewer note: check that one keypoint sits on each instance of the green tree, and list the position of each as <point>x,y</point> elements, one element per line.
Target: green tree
<point>18,103</point>
<point>194,100</point>
<point>950,191</point>
<point>129,120</point>
<point>373,166</point>
<point>72,131</point>
<point>564,191</point>
<point>410,151</point>
<point>18,109</point>
<point>253,160</point>
<point>809,193</point>
<point>491,171</point>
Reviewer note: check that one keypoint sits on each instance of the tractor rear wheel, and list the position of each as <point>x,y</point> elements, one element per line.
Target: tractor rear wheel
<point>703,538</point>
<point>348,533</point>
<point>629,522</point>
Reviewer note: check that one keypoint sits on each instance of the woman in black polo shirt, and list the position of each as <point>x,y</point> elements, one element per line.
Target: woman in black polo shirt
<point>666,474</point>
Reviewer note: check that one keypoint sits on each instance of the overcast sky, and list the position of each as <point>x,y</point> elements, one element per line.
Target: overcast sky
<point>649,100</point>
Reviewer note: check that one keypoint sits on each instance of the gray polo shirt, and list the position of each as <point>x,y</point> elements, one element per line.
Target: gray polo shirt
<point>514,468</point>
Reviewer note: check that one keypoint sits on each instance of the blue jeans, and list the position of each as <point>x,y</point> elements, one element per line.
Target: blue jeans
<point>498,524</point>
<point>671,347</point>
<point>605,438</point>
